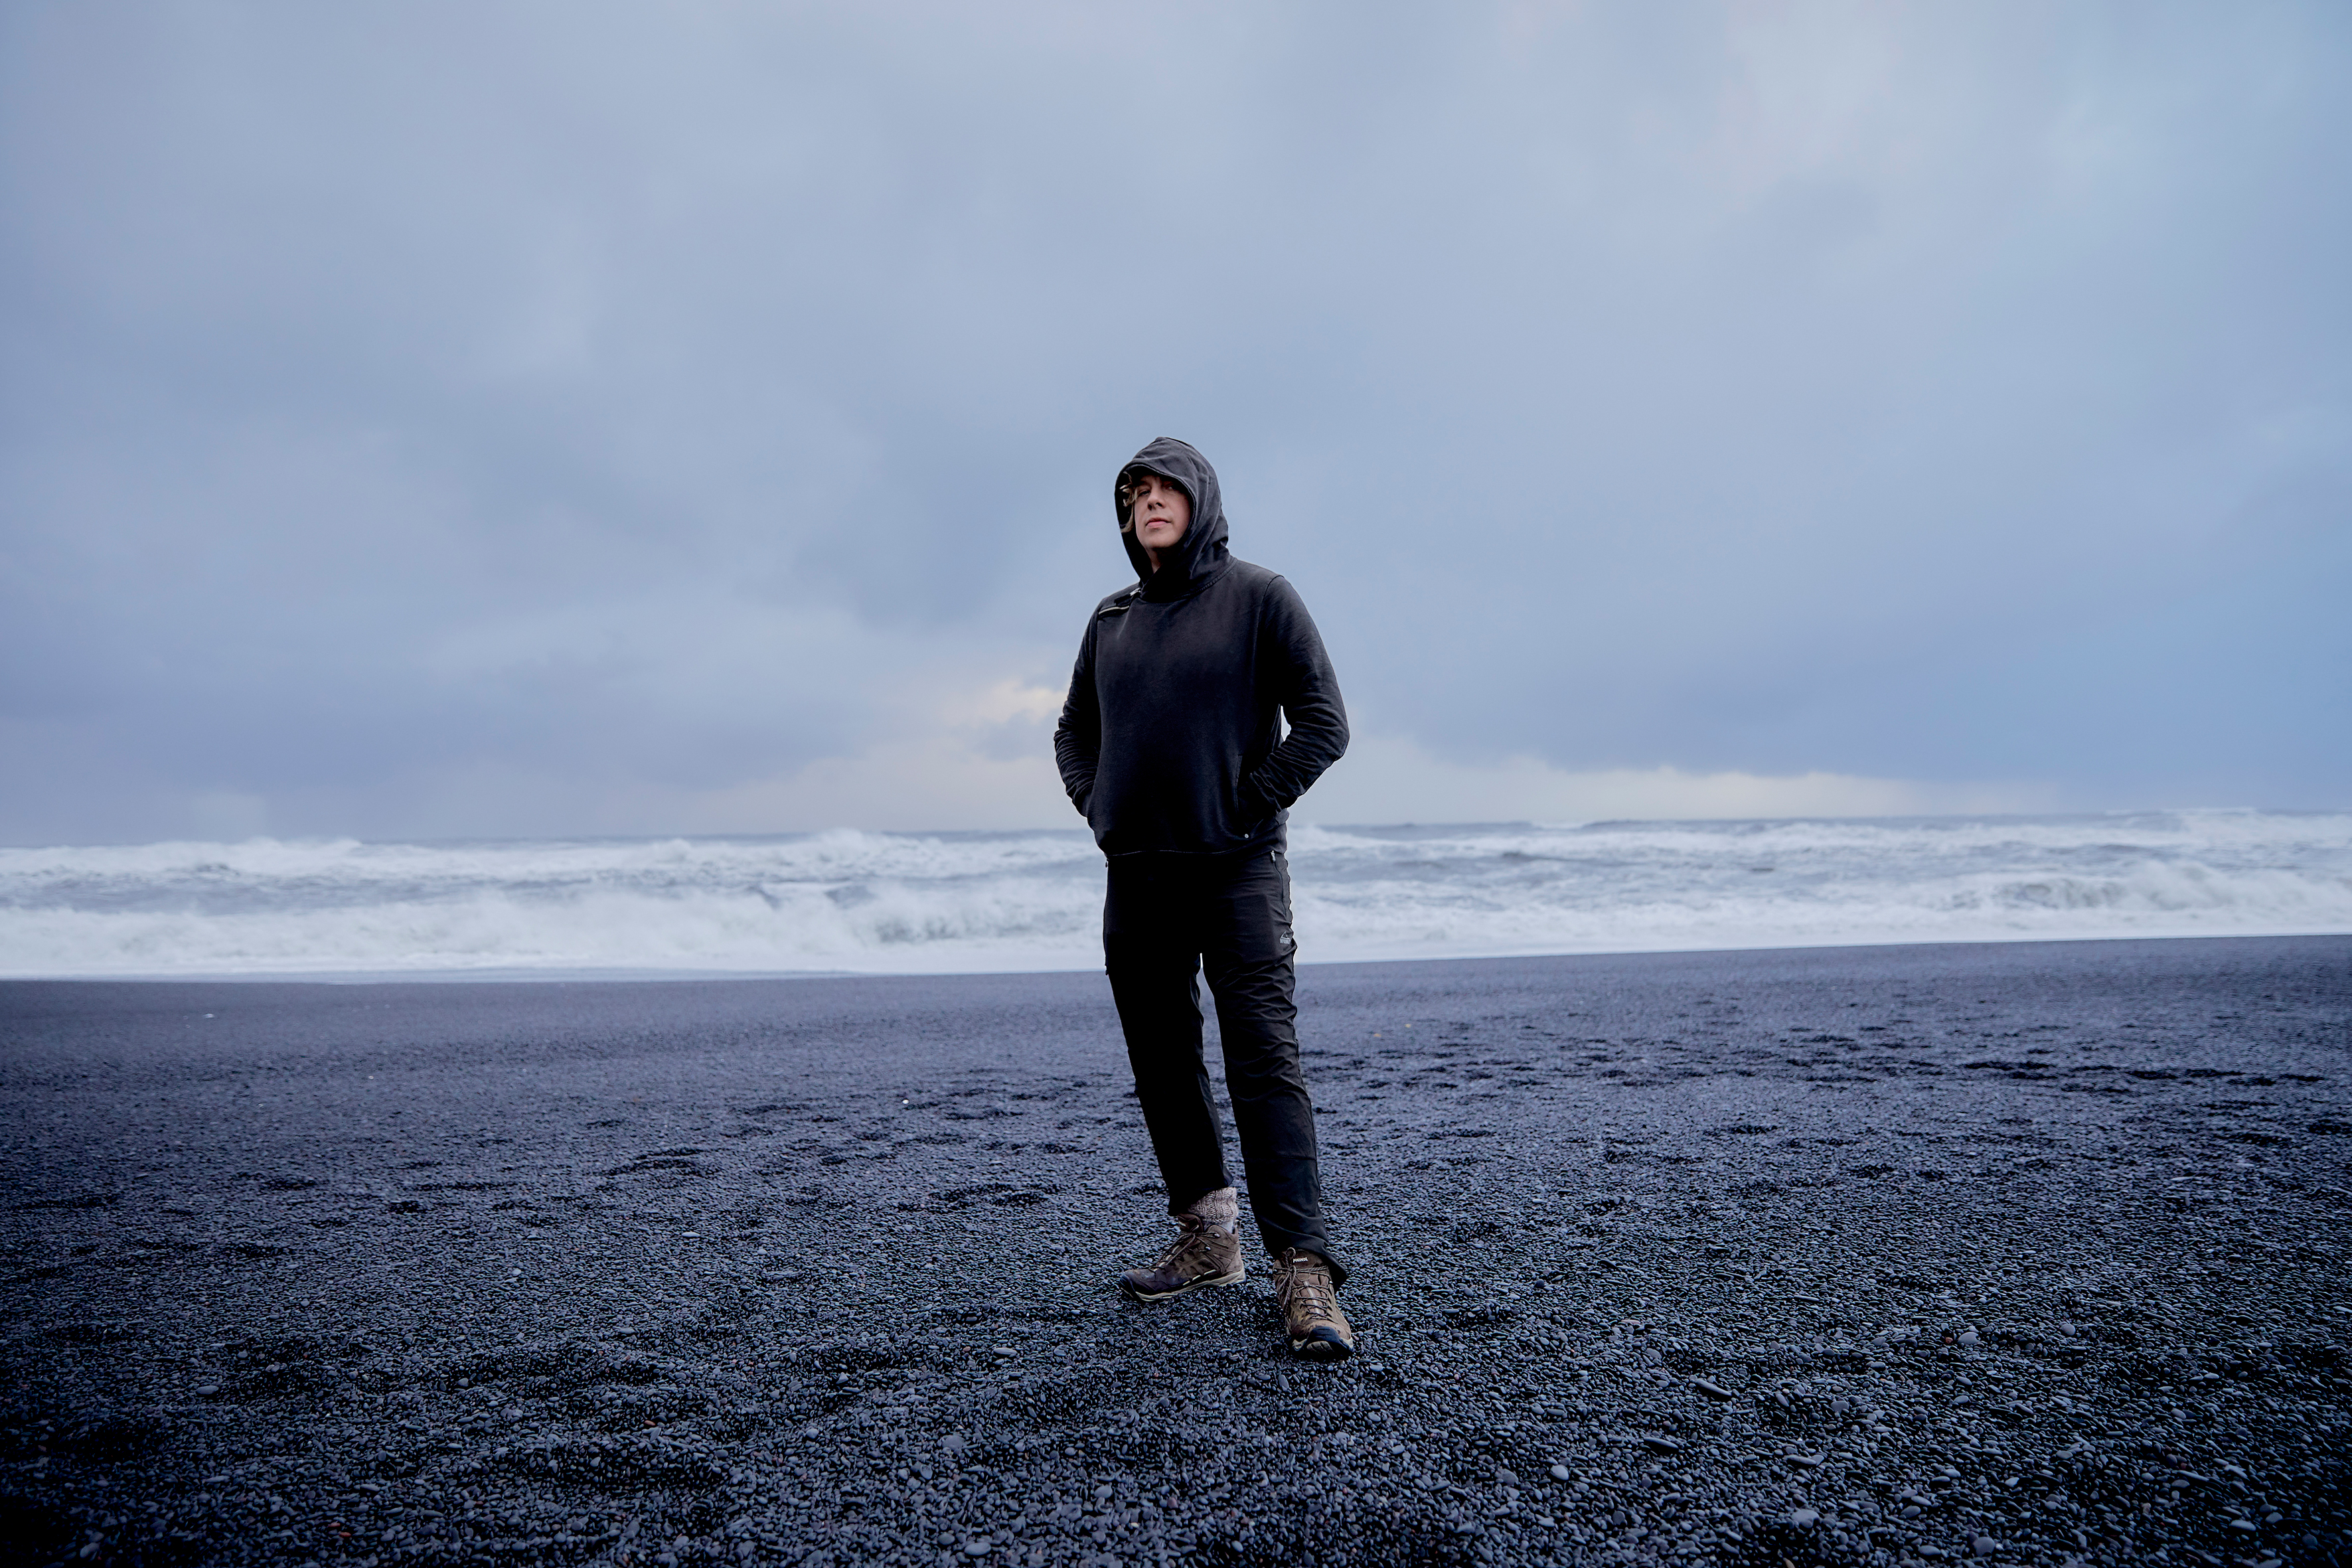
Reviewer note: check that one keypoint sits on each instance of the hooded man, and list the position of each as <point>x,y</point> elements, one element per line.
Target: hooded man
<point>1172,745</point>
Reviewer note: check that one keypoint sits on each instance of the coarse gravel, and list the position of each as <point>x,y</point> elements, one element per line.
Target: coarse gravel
<point>2025,1254</point>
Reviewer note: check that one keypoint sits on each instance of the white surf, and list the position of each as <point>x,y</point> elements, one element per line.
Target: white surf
<point>946,902</point>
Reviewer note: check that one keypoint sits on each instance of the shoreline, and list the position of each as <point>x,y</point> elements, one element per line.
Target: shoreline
<point>525,974</point>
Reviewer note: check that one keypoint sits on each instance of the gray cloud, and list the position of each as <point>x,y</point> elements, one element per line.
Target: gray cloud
<point>483,420</point>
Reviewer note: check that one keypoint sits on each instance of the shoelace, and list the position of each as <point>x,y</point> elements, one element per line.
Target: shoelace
<point>1311,1287</point>
<point>1191,1239</point>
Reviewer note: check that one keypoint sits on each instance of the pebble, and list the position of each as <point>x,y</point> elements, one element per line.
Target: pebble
<point>1658,1444</point>
<point>1984,1546</point>
<point>1709,1388</point>
<point>1562,1473</point>
<point>1803,1518</point>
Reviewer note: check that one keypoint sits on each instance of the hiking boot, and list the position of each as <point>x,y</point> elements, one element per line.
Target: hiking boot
<point>1310,1306</point>
<point>1201,1254</point>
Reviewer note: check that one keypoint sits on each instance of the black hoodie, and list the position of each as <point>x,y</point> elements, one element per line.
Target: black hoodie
<point>1168,740</point>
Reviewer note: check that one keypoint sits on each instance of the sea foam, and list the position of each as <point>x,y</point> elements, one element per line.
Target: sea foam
<point>883,903</point>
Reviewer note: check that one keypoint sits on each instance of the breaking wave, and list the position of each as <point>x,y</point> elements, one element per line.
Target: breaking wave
<point>887,902</point>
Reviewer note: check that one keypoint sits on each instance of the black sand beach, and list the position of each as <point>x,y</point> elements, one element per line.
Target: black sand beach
<point>2021,1253</point>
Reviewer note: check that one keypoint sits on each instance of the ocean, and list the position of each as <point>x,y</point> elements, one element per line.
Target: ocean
<point>847,902</point>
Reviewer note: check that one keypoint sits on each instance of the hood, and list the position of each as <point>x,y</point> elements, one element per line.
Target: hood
<point>1201,553</point>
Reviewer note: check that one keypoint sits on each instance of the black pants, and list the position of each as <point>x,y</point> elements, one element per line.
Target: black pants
<point>1168,917</point>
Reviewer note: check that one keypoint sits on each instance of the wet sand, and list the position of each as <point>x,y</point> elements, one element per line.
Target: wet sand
<point>2021,1252</point>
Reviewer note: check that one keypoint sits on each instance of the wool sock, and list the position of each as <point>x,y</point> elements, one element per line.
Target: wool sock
<point>1220,1210</point>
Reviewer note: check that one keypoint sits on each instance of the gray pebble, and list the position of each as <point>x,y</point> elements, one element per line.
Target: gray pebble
<point>1984,1546</point>
<point>1803,1518</point>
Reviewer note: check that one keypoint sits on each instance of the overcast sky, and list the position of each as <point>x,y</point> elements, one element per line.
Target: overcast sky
<point>512,419</point>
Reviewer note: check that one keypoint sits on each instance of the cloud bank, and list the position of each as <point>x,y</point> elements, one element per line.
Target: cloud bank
<point>468,420</point>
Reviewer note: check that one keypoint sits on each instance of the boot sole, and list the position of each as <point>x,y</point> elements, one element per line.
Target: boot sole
<point>1134,1294</point>
<point>1322,1345</point>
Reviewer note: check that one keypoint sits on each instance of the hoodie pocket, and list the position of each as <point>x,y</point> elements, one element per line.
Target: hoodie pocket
<point>1252,810</point>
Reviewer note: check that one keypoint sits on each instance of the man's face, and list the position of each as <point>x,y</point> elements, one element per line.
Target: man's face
<point>1159,513</point>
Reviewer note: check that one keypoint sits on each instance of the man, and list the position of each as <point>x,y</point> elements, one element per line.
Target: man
<point>1170,746</point>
